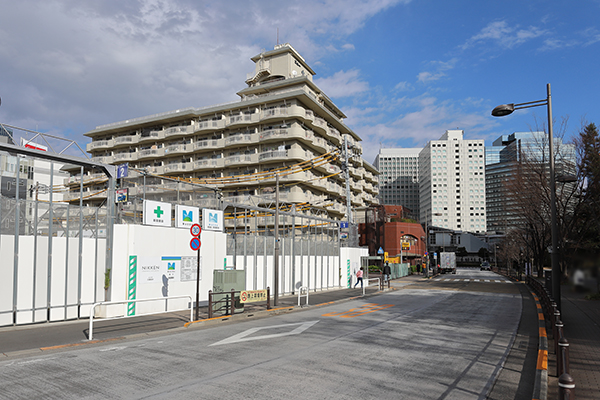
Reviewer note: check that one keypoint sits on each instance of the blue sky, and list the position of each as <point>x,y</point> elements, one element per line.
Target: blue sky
<point>402,71</point>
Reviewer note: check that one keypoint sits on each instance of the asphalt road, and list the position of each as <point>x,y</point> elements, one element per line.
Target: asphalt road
<point>441,339</point>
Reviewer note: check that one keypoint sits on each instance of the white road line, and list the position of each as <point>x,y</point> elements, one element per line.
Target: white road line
<point>242,337</point>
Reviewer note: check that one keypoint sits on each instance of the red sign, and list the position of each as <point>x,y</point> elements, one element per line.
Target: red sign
<point>195,230</point>
<point>195,243</point>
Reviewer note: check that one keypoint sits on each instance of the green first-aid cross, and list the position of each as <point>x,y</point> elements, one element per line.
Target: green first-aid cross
<point>158,212</point>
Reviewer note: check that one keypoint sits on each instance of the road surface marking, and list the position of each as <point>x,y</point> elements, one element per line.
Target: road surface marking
<point>243,336</point>
<point>362,310</point>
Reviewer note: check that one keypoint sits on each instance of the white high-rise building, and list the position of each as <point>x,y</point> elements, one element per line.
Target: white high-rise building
<point>399,177</point>
<point>452,183</point>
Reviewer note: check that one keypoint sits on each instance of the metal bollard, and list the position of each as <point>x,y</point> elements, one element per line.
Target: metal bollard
<point>558,333</point>
<point>210,304</point>
<point>563,361</point>
<point>566,387</point>
<point>268,298</point>
<point>556,313</point>
<point>232,301</point>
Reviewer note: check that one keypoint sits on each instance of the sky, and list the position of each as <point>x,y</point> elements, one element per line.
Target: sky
<point>403,71</point>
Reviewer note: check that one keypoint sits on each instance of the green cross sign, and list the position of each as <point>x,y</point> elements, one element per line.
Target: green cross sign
<point>158,212</point>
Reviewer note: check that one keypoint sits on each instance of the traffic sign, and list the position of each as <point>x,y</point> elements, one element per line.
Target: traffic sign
<point>195,230</point>
<point>195,243</point>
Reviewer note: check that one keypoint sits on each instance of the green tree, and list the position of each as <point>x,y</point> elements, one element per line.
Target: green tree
<point>584,238</point>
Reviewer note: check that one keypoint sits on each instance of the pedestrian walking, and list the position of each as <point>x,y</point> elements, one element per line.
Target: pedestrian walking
<point>359,275</point>
<point>387,271</point>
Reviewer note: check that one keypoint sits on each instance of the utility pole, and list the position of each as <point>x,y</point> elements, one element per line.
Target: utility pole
<point>353,240</point>
<point>276,251</point>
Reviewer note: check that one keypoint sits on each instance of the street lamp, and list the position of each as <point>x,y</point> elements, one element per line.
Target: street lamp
<point>506,109</point>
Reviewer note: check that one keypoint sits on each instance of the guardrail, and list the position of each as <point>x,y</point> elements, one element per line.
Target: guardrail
<point>369,280</point>
<point>229,301</point>
<point>166,299</point>
<point>566,383</point>
<point>305,288</point>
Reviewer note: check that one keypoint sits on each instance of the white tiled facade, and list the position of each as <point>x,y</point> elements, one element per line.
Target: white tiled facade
<point>281,120</point>
<point>399,177</point>
<point>452,183</point>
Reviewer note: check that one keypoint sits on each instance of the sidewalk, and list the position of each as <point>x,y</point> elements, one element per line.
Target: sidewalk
<point>581,319</point>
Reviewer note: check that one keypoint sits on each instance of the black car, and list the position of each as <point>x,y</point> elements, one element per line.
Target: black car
<point>485,266</point>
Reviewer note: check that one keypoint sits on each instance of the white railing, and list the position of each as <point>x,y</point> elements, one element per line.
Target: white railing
<point>103,303</point>
<point>372,279</point>
<point>305,288</point>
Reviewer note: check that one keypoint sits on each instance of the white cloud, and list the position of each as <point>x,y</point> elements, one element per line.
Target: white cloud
<point>425,118</point>
<point>403,86</point>
<point>69,63</point>
<point>504,35</point>
<point>343,84</point>
<point>440,67</point>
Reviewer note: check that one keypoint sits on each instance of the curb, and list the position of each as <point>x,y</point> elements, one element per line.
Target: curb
<point>540,388</point>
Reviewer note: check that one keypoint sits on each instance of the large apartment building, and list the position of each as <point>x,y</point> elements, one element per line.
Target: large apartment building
<point>452,183</point>
<point>399,178</point>
<point>283,125</point>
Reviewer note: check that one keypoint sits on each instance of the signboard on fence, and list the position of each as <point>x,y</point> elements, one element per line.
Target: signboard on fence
<point>253,296</point>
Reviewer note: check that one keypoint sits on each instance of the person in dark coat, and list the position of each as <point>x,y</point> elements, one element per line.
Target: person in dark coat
<point>387,271</point>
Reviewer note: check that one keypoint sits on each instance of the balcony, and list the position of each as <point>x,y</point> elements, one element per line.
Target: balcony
<point>103,159</point>
<point>320,125</point>
<point>279,112</point>
<point>209,163</point>
<point>208,144</point>
<point>354,172</point>
<point>320,143</point>
<point>178,167</point>
<point>309,115</point>
<point>179,130</point>
<point>240,139</point>
<point>240,159</point>
<point>152,136</point>
<point>125,157</point>
<point>177,149</point>
<point>271,155</point>
<point>130,139</point>
<point>273,134</point>
<point>100,144</point>
<point>210,125</point>
<point>242,119</point>
<point>156,170</point>
<point>151,153</point>
<point>335,134</point>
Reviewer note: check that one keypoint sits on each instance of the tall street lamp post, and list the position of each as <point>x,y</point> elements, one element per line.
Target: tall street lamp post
<point>506,109</point>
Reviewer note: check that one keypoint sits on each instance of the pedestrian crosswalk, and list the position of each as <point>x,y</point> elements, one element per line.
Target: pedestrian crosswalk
<point>471,280</point>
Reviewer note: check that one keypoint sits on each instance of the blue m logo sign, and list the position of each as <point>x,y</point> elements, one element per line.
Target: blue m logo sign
<point>213,217</point>
<point>188,215</point>
<point>171,266</point>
